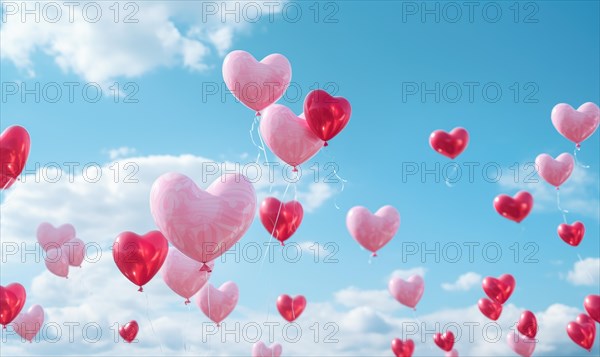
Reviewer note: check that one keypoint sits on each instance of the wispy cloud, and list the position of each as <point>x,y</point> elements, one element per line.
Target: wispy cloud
<point>463,283</point>
<point>585,272</point>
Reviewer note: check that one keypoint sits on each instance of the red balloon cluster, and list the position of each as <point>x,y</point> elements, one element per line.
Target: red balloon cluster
<point>498,290</point>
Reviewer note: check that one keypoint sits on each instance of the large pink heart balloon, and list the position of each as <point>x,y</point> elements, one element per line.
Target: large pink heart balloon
<point>373,231</point>
<point>256,84</point>
<point>261,350</point>
<point>217,304</point>
<point>182,274</point>
<point>50,237</point>
<point>288,136</point>
<point>203,224</point>
<point>522,345</point>
<point>28,324</point>
<point>555,171</point>
<point>576,125</point>
<point>407,292</point>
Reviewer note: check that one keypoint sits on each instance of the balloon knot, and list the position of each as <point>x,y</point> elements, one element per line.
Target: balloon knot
<point>141,289</point>
<point>282,244</point>
<point>4,327</point>
<point>258,114</point>
<point>374,254</point>
<point>326,144</point>
<point>187,301</point>
<point>578,146</point>
<point>66,277</point>
<point>557,188</point>
<point>295,169</point>
<point>205,268</point>
<point>218,325</point>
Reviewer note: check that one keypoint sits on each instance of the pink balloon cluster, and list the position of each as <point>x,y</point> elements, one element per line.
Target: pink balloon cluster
<point>62,249</point>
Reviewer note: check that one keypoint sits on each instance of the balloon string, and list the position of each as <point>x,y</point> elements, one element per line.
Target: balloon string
<point>187,322</point>
<point>151,324</point>
<point>563,211</point>
<point>420,323</point>
<point>448,183</point>
<point>587,272</point>
<point>577,149</point>
<point>343,181</point>
<point>4,197</point>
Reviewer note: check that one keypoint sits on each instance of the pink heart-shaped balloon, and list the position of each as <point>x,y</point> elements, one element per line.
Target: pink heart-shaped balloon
<point>28,324</point>
<point>522,345</point>
<point>373,231</point>
<point>182,274</point>
<point>555,171</point>
<point>256,84</point>
<point>203,224</point>
<point>50,237</point>
<point>288,136</point>
<point>75,251</point>
<point>261,350</point>
<point>407,292</point>
<point>453,353</point>
<point>576,125</point>
<point>217,304</point>
<point>57,262</point>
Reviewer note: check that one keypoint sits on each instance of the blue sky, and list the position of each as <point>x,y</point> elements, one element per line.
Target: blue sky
<point>372,54</point>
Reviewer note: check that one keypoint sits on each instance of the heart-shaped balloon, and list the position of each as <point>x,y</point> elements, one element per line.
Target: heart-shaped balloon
<point>291,308</point>
<point>326,115</point>
<point>203,224</point>
<point>129,331</point>
<point>528,324</point>
<point>12,299</point>
<point>453,353</point>
<point>407,292</point>
<point>572,234</point>
<point>514,208</point>
<point>57,262</point>
<point>499,289</point>
<point>444,341</point>
<point>182,274</point>
<point>555,171</point>
<point>280,219</point>
<point>261,350</point>
<point>373,231</point>
<point>449,144</point>
<point>592,306</point>
<point>28,324</point>
<point>403,348</point>
<point>50,237</point>
<point>217,304</point>
<point>288,136</point>
<point>256,84</point>
<point>139,258</point>
<point>582,331</point>
<point>522,345</point>
<point>490,308</point>
<point>576,125</point>
<point>14,150</point>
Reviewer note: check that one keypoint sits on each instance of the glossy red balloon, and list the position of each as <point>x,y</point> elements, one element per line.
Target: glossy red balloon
<point>280,219</point>
<point>572,234</point>
<point>514,208</point>
<point>14,150</point>
<point>449,144</point>
<point>592,306</point>
<point>139,258</point>
<point>326,115</point>
<point>291,308</point>
<point>490,308</point>
<point>499,289</point>
<point>12,299</point>
<point>582,331</point>
<point>528,324</point>
<point>129,331</point>
<point>444,341</point>
<point>403,348</point>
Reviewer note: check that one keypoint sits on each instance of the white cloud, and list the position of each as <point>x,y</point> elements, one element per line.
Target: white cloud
<point>464,282</point>
<point>318,193</point>
<point>111,47</point>
<point>121,152</point>
<point>405,274</point>
<point>354,297</point>
<point>585,272</point>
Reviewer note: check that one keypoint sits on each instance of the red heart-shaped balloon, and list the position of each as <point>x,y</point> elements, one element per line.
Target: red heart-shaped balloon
<point>140,257</point>
<point>490,308</point>
<point>582,331</point>
<point>572,234</point>
<point>514,208</point>
<point>129,331</point>
<point>499,289</point>
<point>449,144</point>
<point>592,306</point>
<point>290,308</point>
<point>444,341</point>
<point>403,348</point>
<point>528,324</point>
<point>326,115</point>
<point>14,150</point>
<point>12,299</point>
<point>280,219</point>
